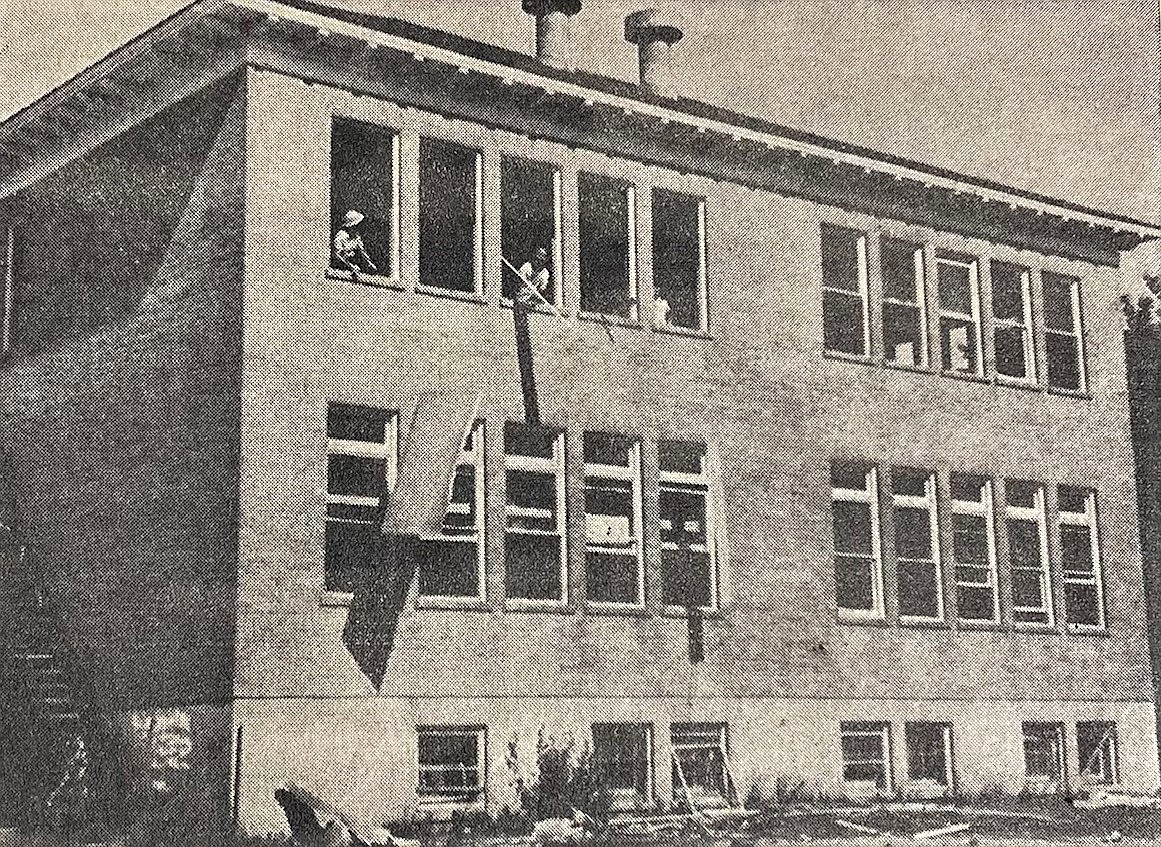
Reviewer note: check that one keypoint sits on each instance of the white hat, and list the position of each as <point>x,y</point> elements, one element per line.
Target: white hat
<point>352,218</point>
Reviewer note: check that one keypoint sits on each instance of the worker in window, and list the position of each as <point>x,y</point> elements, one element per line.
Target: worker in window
<point>535,275</point>
<point>350,254</point>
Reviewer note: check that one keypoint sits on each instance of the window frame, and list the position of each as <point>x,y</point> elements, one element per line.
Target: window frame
<point>621,473</point>
<point>1028,335</point>
<point>1077,334</point>
<point>868,729</point>
<point>919,267</point>
<point>687,481</point>
<point>1088,520</point>
<point>633,294</point>
<point>1107,752</point>
<point>467,796</point>
<point>556,256</point>
<point>392,275</point>
<point>864,292</point>
<point>722,748</point>
<point>974,318</point>
<point>702,280</point>
<point>929,502</point>
<point>1040,730</point>
<point>8,281</point>
<point>984,508</point>
<point>869,496</point>
<point>625,797</point>
<point>557,466</point>
<point>1036,513</point>
<point>478,224</point>
<point>946,739</point>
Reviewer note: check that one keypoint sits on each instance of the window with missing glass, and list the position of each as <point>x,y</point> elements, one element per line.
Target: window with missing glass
<point>689,577</point>
<point>534,554</point>
<point>450,222</point>
<point>866,751</point>
<point>365,180</point>
<point>855,521</point>
<point>959,315</point>
<point>1096,748</point>
<point>904,306</point>
<point>1012,310</point>
<point>453,564</point>
<point>1062,331</point>
<point>608,258</point>
<point>974,548</point>
<point>845,321</point>
<point>529,222</point>
<point>1027,553</point>
<point>917,544</point>
<point>1080,558</point>
<point>623,760</point>
<point>452,762</point>
<point>929,753</point>
<point>679,268</point>
<point>700,770</point>
<point>614,567</point>
<point>1044,753</point>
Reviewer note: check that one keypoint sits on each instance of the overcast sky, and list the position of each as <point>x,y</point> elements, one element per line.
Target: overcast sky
<point>1058,96</point>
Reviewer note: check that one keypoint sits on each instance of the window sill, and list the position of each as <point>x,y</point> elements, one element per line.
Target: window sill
<point>452,294</point>
<point>456,604</point>
<point>1035,628</point>
<point>924,623</point>
<point>966,377</point>
<point>1016,382</point>
<point>1098,631</point>
<point>533,308</point>
<point>610,320</point>
<point>864,619</point>
<point>1069,392</point>
<point>687,332</point>
<point>370,280</point>
<point>854,358</point>
<point>451,802</point>
<point>706,612</point>
<point>979,625</point>
<point>900,366</point>
<point>551,607</point>
<point>627,610</point>
<point>335,599</point>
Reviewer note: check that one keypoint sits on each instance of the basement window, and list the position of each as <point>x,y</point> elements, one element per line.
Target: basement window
<point>1012,306</point>
<point>845,322</point>
<point>1096,747</point>
<point>974,548</point>
<point>1044,753</point>
<point>535,537</point>
<point>450,223</point>
<point>689,578</point>
<point>451,762</point>
<point>959,315</point>
<point>699,763</point>
<point>453,564</point>
<point>857,564</point>
<point>608,256</point>
<point>904,307</point>
<point>365,179</point>
<point>866,749</point>
<point>361,465</point>
<point>929,753</point>
<point>1062,335</point>
<point>623,761</point>
<point>1080,558</point>
<point>613,562</point>
<point>529,220</point>
<point>1027,543</point>
<point>917,545</point>
<point>679,270</point>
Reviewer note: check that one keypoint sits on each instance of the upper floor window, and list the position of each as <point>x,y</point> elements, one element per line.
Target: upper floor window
<point>453,564</point>
<point>916,544</point>
<point>1062,331</point>
<point>364,198</point>
<point>614,566</point>
<point>534,553</point>
<point>1012,306</point>
<point>451,762</point>
<point>959,315</point>
<point>904,307</point>
<point>7,285</point>
<point>1080,559</point>
<point>608,259</point>
<point>529,224</point>
<point>689,576</point>
<point>857,563</point>
<point>1031,584</point>
<point>361,465</point>
<point>679,282</point>
<point>845,323</point>
<point>450,223</point>
<point>973,548</point>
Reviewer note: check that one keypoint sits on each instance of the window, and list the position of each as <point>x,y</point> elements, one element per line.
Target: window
<point>699,763</point>
<point>1096,747</point>
<point>1062,337</point>
<point>1012,306</point>
<point>365,179</point>
<point>7,286</point>
<point>623,760</point>
<point>1080,559</point>
<point>1044,752</point>
<point>845,325</point>
<point>904,309</point>
<point>451,762</point>
<point>959,315</point>
<point>857,563</point>
<point>529,220</point>
<point>917,544</point>
<point>929,753</point>
<point>450,224</point>
<point>453,564</point>
<point>689,577</point>
<point>974,546</point>
<point>1031,588</point>
<point>608,253</point>
<point>361,464</point>
<point>867,754</point>
<point>679,282</point>
<point>534,543</point>
<point>613,564</point>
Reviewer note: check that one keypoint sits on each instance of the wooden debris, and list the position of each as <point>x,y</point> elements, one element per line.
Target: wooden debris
<point>946,830</point>
<point>857,827</point>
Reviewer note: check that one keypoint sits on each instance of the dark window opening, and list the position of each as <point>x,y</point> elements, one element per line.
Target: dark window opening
<point>363,180</point>
<point>451,761</point>
<point>688,577</point>
<point>1013,310</point>
<point>699,763</point>
<point>866,749</point>
<point>856,554</point>
<point>929,752</point>
<point>452,565</point>
<point>449,221</point>
<point>612,497</point>
<point>1096,747</point>
<point>903,313</point>
<point>1062,331</point>
<point>622,759</point>
<point>678,260</point>
<point>1044,752</point>
<point>528,208</point>
<point>959,324</point>
<point>606,246</point>
<point>534,541</point>
<point>844,290</point>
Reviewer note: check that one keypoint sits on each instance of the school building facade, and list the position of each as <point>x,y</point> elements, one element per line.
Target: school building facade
<point>824,479</point>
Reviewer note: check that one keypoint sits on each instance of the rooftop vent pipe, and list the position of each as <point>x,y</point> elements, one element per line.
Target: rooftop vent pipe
<point>553,30</point>
<point>654,32</point>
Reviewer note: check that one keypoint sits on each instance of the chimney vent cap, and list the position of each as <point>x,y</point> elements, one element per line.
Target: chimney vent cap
<point>648,25</point>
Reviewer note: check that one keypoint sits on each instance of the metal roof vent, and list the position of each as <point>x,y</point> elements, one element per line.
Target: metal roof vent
<point>654,32</point>
<point>553,30</point>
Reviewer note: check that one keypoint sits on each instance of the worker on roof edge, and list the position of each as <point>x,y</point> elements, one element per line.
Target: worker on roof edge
<point>350,253</point>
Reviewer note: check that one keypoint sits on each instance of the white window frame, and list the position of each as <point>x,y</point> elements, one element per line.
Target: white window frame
<point>868,729</point>
<point>556,467</point>
<point>702,292</point>
<point>1037,514</point>
<point>477,225</point>
<point>468,458</point>
<point>870,496</point>
<point>927,502</point>
<point>985,509</point>
<point>1087,519</point>
<point>1038,731</point>
<point>1027,335</point>
<point>1107,753</point>
<point>557,253</point>
<point>9,282</point>
<point>467,796</point>
<point>1077,333</point>
<point>864,292</point>
<point>944,729</point>
<point>632,475</point>
<point>625,797</point>
<point>973,267</point>
<point>920,279</point>
<point>392,274</point>
<point>719,743</point>
<point>702,481</point>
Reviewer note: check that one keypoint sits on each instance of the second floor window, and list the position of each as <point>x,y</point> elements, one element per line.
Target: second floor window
<point>608,260</point>
<point>530,222</point>
<point>450,223</point>
<point>679,284</point>
<point>959,315</point>
<point>453,564</point>
<point>973,548</point>
<point>534,542</point>
<point>364,198</point>
<point>1031,584</point>
<point>916,544</point>
<point>7,285</point>
<point>1012,307</point>
<point>904,311</point>
<point>845,322</point>
<point>687,556</point>
<point>857,564</point>
<point>1062,332</point>
<point>1079,558</point>
<point>613,561</point>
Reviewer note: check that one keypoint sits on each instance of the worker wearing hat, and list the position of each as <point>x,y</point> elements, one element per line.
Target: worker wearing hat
<point>535,275</point>
<point>350,254</point>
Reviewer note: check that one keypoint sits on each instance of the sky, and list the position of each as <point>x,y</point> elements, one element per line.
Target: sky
<point>1062,97</point>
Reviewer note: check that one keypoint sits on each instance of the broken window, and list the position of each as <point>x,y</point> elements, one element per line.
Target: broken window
<point>1044,752</point>
<point>361,464</point>
<point>534,541</point>
<point>687,555</point>
<point>1031,586</point>
<point>529,220</point>
<point>451,762</point>
<point>613,563</point>
<point>1062,337</point>
<point>917,544</point>
<point>867,754</point>
<point>1012,306</point>
<point>365,179</point>
<point>973,546</point>
<point>857,564</point>
<point>608,260</point>
<point>453,564</point>
<point>1080,560</point>
<point>959,315</point>
<point>929,752</point>
<point>904,309</point>
<point>845,326</point>
<point>450,224</point>
<point>623,760</point>
<point>679,283</point>
<point>699,763</point>
<point>1096,747</point>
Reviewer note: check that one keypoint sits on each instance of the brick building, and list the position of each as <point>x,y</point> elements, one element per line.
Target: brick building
<point>826,479</point>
